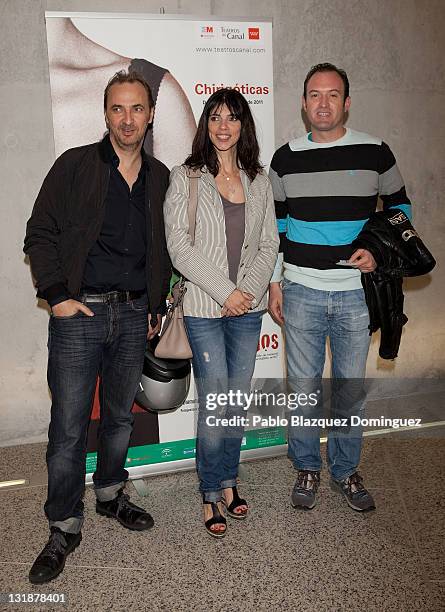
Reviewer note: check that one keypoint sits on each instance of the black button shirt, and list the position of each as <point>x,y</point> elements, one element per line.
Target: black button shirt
<point>117,260</point>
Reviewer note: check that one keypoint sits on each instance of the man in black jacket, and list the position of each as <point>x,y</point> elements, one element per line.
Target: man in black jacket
<point>97,249</point>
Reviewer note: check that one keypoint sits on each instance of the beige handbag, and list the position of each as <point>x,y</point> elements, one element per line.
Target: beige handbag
<point>173,342</point>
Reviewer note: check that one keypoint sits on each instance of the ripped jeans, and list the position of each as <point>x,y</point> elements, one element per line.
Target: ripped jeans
<point>224,352</point>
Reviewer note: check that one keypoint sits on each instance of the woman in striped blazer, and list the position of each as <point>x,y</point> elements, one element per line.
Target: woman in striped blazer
<point>228,271</point>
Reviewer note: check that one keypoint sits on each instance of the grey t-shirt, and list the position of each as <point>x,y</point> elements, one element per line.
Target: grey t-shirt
<point>235,220</point>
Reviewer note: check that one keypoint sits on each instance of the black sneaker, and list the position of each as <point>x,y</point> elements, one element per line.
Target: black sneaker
<point>354,492</point>
<point>51,561</point>
<point>128,515</point>
<point>305,488</point>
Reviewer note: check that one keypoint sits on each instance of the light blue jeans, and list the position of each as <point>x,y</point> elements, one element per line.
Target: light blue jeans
<point>224,352</point>
<point>311,316</point>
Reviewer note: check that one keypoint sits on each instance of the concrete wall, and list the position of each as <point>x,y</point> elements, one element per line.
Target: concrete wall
<point>393,51</point>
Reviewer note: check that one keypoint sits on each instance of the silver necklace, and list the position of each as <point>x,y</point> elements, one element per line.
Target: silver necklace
<point>230,187</point>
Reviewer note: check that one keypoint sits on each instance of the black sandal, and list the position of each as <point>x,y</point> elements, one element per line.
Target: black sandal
<point>216,519</point>
<point>236,503</point>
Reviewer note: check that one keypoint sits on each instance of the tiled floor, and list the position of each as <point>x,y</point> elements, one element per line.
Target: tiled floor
<point>280,559</point>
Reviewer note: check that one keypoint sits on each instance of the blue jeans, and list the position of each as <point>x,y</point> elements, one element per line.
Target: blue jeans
<point>110,345</point>
<point>311,316</point>
<point>224,352</point>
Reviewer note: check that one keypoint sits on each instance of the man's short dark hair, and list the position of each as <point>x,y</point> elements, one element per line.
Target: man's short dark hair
<point>327,67</point>
<point>128,77</point>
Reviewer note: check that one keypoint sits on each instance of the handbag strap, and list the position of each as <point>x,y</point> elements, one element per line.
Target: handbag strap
<point>193,174</point>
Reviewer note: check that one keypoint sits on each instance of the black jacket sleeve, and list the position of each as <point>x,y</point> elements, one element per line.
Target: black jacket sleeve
<point>43,233</point>
<point>161,268</point>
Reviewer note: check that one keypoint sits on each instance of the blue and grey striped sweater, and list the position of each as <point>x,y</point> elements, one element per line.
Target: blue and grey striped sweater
<point>324,193</point>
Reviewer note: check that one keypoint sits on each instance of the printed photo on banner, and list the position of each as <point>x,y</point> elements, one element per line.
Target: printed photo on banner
<point>184,61</point>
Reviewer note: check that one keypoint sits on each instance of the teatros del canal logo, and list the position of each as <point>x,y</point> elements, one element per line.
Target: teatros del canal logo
<point>232,33</point>
<point>207,31</point>
<point>254,33</point>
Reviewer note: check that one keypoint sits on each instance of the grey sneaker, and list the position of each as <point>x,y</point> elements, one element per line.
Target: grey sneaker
<point>354,492</point>
<point>305,488</point>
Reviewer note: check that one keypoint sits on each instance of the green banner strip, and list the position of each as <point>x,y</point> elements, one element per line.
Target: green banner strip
<point>185,449</point>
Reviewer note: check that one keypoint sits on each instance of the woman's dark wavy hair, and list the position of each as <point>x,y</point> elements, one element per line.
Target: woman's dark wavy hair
<point>247,150</point>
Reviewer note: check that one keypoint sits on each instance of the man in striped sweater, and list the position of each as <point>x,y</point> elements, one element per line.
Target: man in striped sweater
<point>326,185</point>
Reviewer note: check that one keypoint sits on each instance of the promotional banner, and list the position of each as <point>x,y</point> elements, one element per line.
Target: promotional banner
<point>184,60</point>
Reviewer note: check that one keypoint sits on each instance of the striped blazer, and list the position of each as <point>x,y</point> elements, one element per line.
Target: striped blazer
<point>205,264</point>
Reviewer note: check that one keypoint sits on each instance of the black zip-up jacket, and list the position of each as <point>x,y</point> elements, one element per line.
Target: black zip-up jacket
<point>67,219</point>
<point>398,251</point>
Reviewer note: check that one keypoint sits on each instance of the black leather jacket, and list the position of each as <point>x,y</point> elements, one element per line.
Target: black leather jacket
<point>67,218</point>
<point>395,245</point>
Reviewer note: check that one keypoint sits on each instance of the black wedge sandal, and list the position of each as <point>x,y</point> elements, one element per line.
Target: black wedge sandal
<point>237,501</point>
<point>216,519</point>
